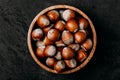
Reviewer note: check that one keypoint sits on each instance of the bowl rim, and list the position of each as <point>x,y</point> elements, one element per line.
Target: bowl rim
<point>84,63</point>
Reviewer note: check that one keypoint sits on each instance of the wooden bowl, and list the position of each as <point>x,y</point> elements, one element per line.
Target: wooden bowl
<point>30,46</point>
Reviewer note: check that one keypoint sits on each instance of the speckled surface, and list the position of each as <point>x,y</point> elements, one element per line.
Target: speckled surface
<point>17,64</point>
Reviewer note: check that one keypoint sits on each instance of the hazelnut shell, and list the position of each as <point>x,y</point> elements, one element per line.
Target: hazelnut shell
<point>50,62</point>
<point>72,25</point>
<point>53,35</point>
<point>67,53</point>
<point>40,52</point>
<point>87,45</point>
<point>50,51</point>
<point>43,21</point>
<point>53,15</point>
<point>82,55</point>
<point>67,37</point>
<point>60,25</point>
<point>37,34</point>
<point>80,36</point>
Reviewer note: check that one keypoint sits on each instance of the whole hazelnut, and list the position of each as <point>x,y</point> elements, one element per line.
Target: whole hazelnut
<point>40,51</point>
<point>43,21</point>
<point>72,63</point>
<point>75,47</point>
<point>37,34</point>
<point>47,29</point>
<point>58,56</point>
<point>68,14</point>
<point>40,43</point>
<point>53,15</point>
<point>60,43</point>
<point>80,36</point>
<point>67,53</point>
<point>47,41</point>
<point>50,50</point>
<point>72,25</point>
<point>83,23</point>
<point>53,35</point>
<point>82,55</point>
<point>59,66</point>
<point>67,37</point>
<point>87,45</point>
<point>50,62</point>
<point>60,25</point>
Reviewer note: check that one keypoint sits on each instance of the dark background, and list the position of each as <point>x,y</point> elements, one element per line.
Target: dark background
<point>16,62</point>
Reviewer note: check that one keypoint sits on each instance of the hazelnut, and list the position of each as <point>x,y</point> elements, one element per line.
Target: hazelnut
<point>67,53</point>
<point>60,25</point>
<point>82,55</point>
<point>43,21</point>
<point>59,66</point>
<point>68,14</point>
<point>75,47</point>
<point>47,29</point>
<point>53,15</point>
<point>72,63</point>
<point>80,36</point>
<point>83,23</point>
<point>58,56</point>
<point>47,41</point>
<point>50,62</point>
<point>37,34</point>
<point>72,25</point>
<point>67,37</point>
<point>59,43</point>
<point>40,51</point>
<point>53,35</point>
<point>87,45</point>
<point>40,43</point>
<point>50,50</point>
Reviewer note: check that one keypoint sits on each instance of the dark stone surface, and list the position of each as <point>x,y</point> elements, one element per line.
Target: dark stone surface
<point>17,64</point>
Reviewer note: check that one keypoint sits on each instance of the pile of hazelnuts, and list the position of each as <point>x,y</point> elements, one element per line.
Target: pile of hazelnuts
<point>62,39</point>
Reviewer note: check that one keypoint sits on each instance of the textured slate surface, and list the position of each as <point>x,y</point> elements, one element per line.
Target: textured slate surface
<point>17,64</point>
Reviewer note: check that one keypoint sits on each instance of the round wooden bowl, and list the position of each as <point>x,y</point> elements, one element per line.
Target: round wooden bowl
<point>30,45</point>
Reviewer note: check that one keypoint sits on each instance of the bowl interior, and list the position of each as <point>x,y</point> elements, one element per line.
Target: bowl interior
<point>31,42</point>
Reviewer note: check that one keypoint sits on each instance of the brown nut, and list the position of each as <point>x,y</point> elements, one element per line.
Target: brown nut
<point>82,55</point>
<point>58,56</point>
<point>80,36</point>
<point>50,51</point>
<point>60,25</point>
<point>72,63</point>
<point>40,51</point>
<point>53,15</point>
<point>43,21</point>
<point>83,23</point>
<point>47,29</point>
<point>40,43</point>
<point>67,37</point>
<point>50,62</point>
<point>67,53</point>
<point>87,45</point>
<point>59,43</point>
<point>59,66</point>
<point>47,41</point>
<point>72,25</point>
<point>37,34</point>
<point>75,47</point>
<point>53,35</point>
<point>68,14</point>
